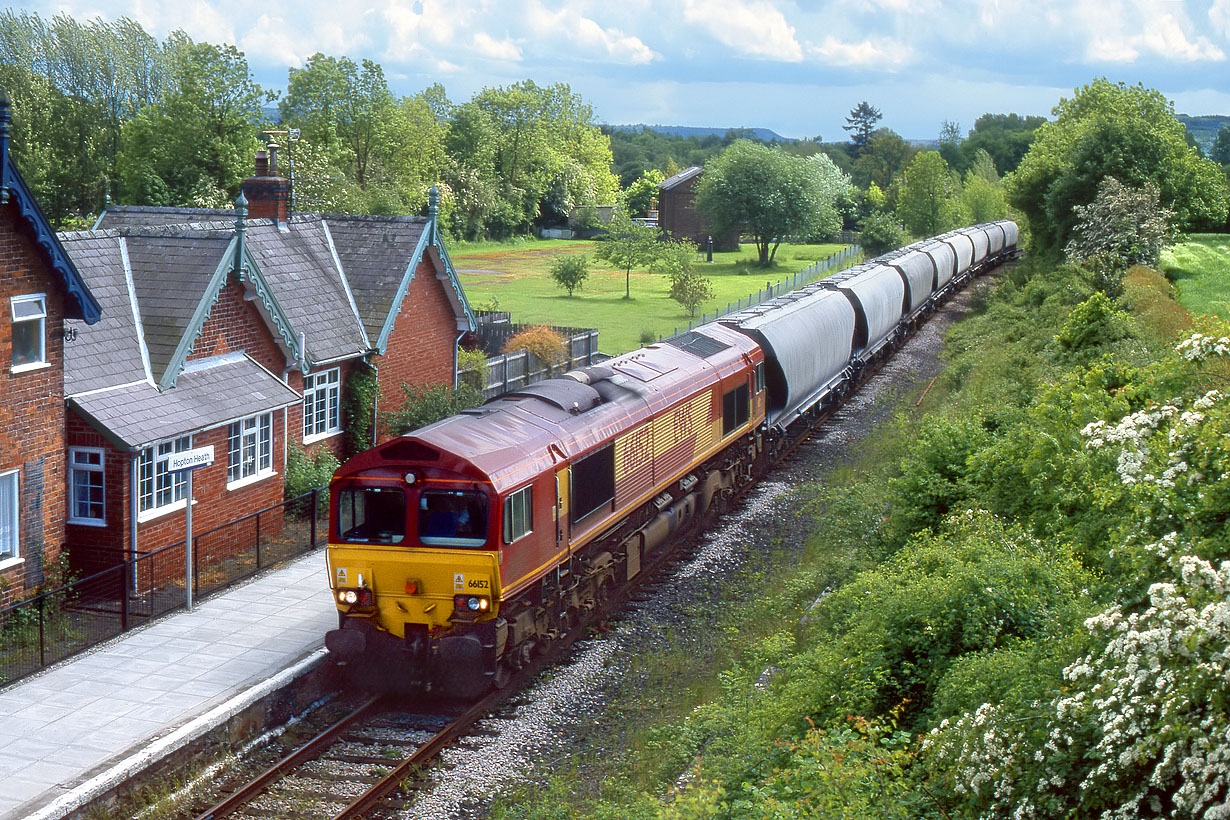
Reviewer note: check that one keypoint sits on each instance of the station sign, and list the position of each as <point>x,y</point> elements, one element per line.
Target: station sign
<point>190,459</point>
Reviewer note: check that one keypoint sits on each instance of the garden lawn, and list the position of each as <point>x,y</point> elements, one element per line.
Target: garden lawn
<point>516,278</point>
<point>1200,269</point>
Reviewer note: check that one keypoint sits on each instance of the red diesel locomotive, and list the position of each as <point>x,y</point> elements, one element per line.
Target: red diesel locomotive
<point>458,550</point>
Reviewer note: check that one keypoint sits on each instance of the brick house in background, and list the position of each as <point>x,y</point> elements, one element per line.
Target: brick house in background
<point>678,217</point>
<point>240,333</point>
<point>39,288</point>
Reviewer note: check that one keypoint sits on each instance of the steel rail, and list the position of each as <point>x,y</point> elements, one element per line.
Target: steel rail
<point>304,754</point>
<point>425,753</point>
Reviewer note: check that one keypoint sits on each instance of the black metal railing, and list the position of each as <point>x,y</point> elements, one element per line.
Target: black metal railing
<point>58,623</point>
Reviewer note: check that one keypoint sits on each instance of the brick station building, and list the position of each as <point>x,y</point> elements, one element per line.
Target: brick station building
<point>39,288</point>
<point>241,330</point>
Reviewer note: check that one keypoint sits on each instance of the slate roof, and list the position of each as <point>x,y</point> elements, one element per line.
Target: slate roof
<point>376,253</point>
<point>171,275</point>
<point>682,176</point>
<point>209,392</point>
<point>146,216</point>
<point>299,265</point>
<point>108,353</point>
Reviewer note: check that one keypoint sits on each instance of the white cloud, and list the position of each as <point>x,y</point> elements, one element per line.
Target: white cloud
<point>1167,37</point>
<point>274,41</point>
<point>488,46</point>
<point>1124,31</point>
<point>881,55</point>
<point>1219,16</point>
<point>585,36</point>
<point>752,27</point>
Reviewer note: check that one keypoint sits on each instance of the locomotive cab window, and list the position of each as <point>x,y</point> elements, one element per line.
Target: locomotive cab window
<point>758,377</point>
<point>735,410</point>
<point>453,518</point>
<point>371,515</point>
<point>518,514</point>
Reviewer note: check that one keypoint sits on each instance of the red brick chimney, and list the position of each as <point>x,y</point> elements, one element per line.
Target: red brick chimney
<point>267,193</point>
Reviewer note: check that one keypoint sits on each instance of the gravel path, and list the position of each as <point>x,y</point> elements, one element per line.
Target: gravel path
<point>561,717</point>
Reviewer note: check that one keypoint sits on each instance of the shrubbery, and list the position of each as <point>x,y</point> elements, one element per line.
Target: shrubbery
<point>1027,616</point>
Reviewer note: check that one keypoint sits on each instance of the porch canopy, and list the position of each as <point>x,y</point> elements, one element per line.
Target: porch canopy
<point>209,392</point>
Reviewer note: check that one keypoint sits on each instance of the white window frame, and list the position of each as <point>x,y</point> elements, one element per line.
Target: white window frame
<point>39,317</point>
<point>97,473</point>
<point>322,404</point>
<point>10,524</point>
<point>249,450</point>
<point>154,480</point>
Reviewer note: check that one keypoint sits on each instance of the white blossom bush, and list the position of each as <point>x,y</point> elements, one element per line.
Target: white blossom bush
<point>1141,724</point>
<point>1141,730</point>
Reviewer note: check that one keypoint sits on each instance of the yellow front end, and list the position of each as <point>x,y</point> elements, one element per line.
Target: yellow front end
<point>414,586</point>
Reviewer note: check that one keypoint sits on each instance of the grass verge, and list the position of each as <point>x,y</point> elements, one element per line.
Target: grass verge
<point>515,278</point>
<point>1199,267</point>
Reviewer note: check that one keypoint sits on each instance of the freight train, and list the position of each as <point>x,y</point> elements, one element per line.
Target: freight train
<point>460,550</point>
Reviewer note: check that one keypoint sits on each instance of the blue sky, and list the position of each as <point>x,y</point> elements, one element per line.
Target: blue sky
<point>795,67</point>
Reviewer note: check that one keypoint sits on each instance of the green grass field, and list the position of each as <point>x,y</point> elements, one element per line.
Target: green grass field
<point>1199,266</point>
<point>515,277</point>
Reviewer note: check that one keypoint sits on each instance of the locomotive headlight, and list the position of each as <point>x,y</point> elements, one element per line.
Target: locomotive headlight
<point>347,596</point>
<point>471,604</point>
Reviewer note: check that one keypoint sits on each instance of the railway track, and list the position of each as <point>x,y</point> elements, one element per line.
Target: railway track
<point>352,765</point>
<point>370,757</point>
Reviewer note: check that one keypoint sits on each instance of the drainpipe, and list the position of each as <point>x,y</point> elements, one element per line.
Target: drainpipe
<point>134,511</point>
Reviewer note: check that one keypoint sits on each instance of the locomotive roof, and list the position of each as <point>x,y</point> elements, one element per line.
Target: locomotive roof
<point>517,435</point>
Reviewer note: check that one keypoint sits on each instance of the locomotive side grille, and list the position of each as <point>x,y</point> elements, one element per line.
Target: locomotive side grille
<point>633,464</point>
<point>679,435</point>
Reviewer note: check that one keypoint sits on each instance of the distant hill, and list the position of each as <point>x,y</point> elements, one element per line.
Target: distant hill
<point>764,134</point>
<point>1204,129</point>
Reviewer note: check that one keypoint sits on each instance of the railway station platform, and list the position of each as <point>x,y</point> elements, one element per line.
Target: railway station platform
<point>85,726</point>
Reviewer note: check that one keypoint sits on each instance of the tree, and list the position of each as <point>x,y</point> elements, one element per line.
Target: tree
<point>340,106</point>
<point>427,404</point>
<point>769,194</point>
<point>73,86</point>
<point>881,233</point>
<point>1122,227</point>
<point>676,260</point>
<point>628,245</point>
<point>641,194</point>
<point>950,144</point>
<point>861,123</point>
<point>1220,151</point>
<point>927,203</point>
<point>1006,137</point>
<point>570,271</point>
<point>543,342</point>
<point>982,194</point>
<point>1111,129</point>
<point>885,154</point>
<point>194,145</point>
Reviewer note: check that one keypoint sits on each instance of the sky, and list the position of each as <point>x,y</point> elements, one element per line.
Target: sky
<point>794,67</point>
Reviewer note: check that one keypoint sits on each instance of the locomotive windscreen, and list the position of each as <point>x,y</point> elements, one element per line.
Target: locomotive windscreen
<point>453,518</point>
<point>371,515</point>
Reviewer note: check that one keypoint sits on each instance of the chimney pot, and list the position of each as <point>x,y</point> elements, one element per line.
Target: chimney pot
<point>273,158</point>
<point>262,164</point>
